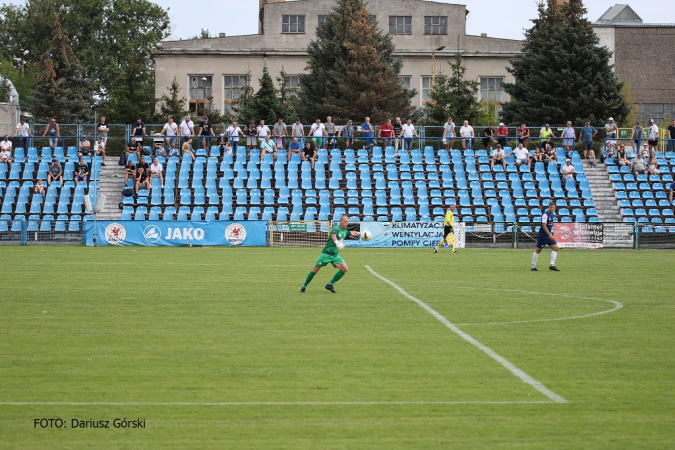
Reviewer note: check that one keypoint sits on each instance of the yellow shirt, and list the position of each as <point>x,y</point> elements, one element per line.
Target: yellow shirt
<point>449,218</point>
<point>544,133</point>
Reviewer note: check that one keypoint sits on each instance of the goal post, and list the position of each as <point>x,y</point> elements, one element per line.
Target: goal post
<point>299,233</point>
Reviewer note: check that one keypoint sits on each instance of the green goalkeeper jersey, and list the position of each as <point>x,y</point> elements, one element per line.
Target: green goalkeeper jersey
<point>330,248</point>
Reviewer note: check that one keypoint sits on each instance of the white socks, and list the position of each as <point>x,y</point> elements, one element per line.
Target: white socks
<point>535,255</point>
<point>554,255</point>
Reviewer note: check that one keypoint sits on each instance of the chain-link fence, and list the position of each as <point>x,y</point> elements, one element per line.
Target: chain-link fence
<point>62,231</point>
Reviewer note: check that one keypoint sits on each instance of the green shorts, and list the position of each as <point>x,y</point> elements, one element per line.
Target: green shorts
<point>325,259</point>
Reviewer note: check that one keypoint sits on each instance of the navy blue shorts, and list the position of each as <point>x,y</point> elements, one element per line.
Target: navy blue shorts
<point>543,241</point>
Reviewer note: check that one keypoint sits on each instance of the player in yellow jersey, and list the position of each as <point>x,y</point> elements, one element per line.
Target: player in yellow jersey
<point>448,231</point>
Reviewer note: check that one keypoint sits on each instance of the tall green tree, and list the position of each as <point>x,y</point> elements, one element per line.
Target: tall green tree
<point>562,73</point>
<point>352,70</point>
<point>265,104</point>
<point>62,89</point>
<point>454,96</point>
<point>171,104</point>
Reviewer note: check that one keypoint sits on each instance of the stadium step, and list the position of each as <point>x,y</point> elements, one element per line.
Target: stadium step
<point>112,181</point>
<point>603,193</point>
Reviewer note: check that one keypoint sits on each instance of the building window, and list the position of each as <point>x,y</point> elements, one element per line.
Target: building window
<point>435,24</point>
<point>491,89</point>
<point>427,88</point>
<point>405,81</point>
<point>234,87</point>
<point>322,19</point>
<point>201,92</point>
<point>400,24</point>
<point>291,82</point>
<point>293,24</point>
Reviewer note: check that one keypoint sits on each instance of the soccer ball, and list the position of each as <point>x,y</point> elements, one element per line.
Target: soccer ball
<point>366,235</point>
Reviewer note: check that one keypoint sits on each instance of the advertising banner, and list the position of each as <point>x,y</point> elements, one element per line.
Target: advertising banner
<point>578,235</point>
<point>404,234</point>
<point>158,233</point>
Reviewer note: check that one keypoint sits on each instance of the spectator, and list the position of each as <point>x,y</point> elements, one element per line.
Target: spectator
<point>522,155</point>
<point>294,146</point>
<point>568,170</point>
<point>407,131</point>
<point>586,138</point>
<point>251,133</point>
<point>309,153</point>
<point>671,136</point>
<point>6,152</point>
<point>544,133</point>
<point>568,137</point>
<point>159,146</point>
<point>133,147</point>
<point>467,134</point>
<point>187,129</point>
<point>102,130</point>
<point>298,130</point>
<point>84,146</point>
<point>449,134</point>
<point>498,157</point>
<point>523,135</point>
<point>621,158</point>
<point>539,154</point>
<point>54,172</point>
<point>672,188</point>
<point>171,131</point>
<point>187,149</point>
<point>280,133</point>
<point>138,130</point>
<point>347,132</point>
<point>262,131</point>
<point>23,131</point>
<point>81,170</point>
<point>156,171</point>
<point>53,132</point>
<point>268,146</point>
<point>142,180</point>
<point>129,172</point>
<point>548,142</point>
<point>206,129</point>
<point>330,132</point>
<point>39,188</point>
<point>224,144</point>
<point>652,164</point>
<point>639,165</point>
<point>636,135</point>
<point>386,132</point>
<point>502,134</point>
<point>488,137</point>
<point>653,136</point>
<point>143,164</point>
<point>591,159</point>
<point>232,133</point>
<point>398,130</point>
<point>550,155</point>
<point>318,131</point>
<point>367,129</point>
<point>99,149</point>
<point>611,131</point>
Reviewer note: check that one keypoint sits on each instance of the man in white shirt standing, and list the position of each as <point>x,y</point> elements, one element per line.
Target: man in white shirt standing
<point>23,131</point>
<point>233,132</point>
<point>263,131</point>
<point>318,131</point>
<point>653,136</point>
<point>467,135</point>
<point>187,129</point>
<point>449,133</point>
<point>171,131</point>
<point>408,130</point>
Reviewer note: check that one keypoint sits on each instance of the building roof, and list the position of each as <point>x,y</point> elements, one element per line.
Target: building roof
<point>620,14</point>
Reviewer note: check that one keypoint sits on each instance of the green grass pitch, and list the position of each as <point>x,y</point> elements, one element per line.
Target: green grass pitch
<point>216,348</point>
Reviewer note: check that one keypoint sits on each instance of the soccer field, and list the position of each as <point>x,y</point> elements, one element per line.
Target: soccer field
<point>216,348</point>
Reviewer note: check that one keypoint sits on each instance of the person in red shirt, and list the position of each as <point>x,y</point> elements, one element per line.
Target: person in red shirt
<point>523,135</point>
<point>502,133</point>
<point>386,132</point>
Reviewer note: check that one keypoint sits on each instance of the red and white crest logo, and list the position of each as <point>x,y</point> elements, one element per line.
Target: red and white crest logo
<point>115,233</point>
<point>235,233</point>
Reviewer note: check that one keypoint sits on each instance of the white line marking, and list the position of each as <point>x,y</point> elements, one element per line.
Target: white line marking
<point>501,360</point>
<point>617,305</point>
<point>468,402</point>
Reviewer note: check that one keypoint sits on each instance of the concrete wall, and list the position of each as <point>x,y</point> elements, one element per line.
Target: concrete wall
<point>9,114</point>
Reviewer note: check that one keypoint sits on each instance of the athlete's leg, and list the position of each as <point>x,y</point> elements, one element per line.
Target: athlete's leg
<point>340,273</point>
<point>554,254</point>
<point>311,274</point>
<point>535,256</point>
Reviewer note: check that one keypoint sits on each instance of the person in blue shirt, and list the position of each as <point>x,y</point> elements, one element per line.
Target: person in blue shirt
<point>546,238</point>
<point>368,130</point>
<point>586,137</point>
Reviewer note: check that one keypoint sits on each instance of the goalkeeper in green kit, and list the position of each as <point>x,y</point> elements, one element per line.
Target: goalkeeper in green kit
<point>329,254</point>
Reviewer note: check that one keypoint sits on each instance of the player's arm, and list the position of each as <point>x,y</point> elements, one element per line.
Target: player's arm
<point>355,233</point>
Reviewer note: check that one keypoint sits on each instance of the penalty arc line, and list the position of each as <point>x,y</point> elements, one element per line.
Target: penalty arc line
<point>491,353</point>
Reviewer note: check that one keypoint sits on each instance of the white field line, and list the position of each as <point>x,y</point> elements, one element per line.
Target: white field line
<point>374,403</point>
<point>617,305</point>
<point>501,360</point>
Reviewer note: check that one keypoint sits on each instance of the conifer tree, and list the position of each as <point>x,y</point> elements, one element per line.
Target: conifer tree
<point>265,104</point>
<point>171,105</point>
<point>62,89</point>
<point>563,74</point>
<point>455,97</point>
<point>352,70</point>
